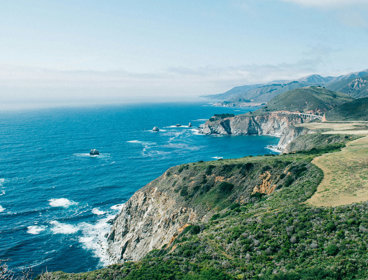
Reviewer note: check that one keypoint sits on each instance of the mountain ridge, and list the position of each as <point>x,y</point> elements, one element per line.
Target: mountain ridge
<point>264,92</point>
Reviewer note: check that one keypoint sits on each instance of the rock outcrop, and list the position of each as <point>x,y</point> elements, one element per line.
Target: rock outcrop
<point>149,219</point>
<point>187,195</point>
<point>278,124</point>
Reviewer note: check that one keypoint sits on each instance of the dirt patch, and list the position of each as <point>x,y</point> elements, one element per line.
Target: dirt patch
<point>345,175</point>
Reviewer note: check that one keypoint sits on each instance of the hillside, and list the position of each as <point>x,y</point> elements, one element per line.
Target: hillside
<point>355,110</point>
<point>259,226</point>
<point>354,84</point>
<point>261,93</point>
<point>310,99</point>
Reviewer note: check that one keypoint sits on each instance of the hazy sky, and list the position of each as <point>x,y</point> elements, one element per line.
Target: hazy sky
<point>79,52</point>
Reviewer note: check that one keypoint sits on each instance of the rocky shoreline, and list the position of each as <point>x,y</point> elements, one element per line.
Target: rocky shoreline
<point>156,214</point>
<point>278,124</point>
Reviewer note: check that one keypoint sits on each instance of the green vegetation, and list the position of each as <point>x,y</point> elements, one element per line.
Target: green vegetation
<point>318,142</point>
<point>316,99</point>
<point>253,235</point>
<point>355,85</point>
<point>356,110</point>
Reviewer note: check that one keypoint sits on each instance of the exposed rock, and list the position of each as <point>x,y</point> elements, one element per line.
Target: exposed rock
<point>94,152</point>
<point>147,221</point>
<point>186,195</point>
<point>278,124</point>
<point>266,187</point>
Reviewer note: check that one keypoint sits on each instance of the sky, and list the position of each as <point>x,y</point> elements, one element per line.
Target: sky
<point>77,52</point>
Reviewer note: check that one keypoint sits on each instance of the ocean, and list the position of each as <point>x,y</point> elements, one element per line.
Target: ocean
<point>56,200</point>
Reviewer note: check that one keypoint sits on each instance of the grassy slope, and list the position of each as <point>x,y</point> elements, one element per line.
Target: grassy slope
<point>268,237</point>
<point>355,110</point>
<point>308,142</point>
<point>346,175</point>
<point>316,99</point>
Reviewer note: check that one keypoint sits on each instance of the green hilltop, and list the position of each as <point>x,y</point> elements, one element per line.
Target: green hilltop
<point>307,99</point>
<point>355,110</point>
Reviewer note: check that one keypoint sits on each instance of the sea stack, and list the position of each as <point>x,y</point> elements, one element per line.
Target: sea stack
<point>94,152</point>
<point>155,129</point>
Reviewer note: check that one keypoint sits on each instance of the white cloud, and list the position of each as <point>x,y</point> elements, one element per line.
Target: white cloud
<point>328,3</point>
<point>44,87</point>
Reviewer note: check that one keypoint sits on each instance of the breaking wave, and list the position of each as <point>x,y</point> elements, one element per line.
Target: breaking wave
<point>60,228</point>
<point>61,202</point>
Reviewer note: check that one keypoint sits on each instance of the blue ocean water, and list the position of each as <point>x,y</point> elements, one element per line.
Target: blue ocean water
<point>56,200</point>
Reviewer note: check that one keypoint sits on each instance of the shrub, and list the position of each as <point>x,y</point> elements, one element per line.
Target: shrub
<point>332,250</point>
<point>195,229</point>
<point>184,191</point>
<point>226,187</point>
<point>330,227</point>
<point>288,181</point>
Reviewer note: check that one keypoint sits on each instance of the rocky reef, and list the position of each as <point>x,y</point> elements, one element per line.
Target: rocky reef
<point>278,124</point>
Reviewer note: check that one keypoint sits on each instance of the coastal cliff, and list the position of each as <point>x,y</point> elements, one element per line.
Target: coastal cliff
<point>149,219</point>
<point>278,124</point>
<point>184,196</point>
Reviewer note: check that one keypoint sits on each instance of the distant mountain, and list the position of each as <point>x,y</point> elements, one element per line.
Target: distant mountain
<point>354,110</point>
<point>308,99</point>
<point>354,84</point>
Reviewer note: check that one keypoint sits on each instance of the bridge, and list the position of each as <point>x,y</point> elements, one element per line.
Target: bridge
<point>304,115</point>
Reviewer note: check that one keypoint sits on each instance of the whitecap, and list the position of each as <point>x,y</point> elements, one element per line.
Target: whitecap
<point>2,209</point>
<point>196,131</point>
<point>134,141</point>
<point>2,192</point>
<point>2,180</point>
<point>61,202</point>
<point>174,126</point>
<point>161,130</point>
<point>217,157</point>
<point>88,155</point>
<point>117,207</point>
<point>35,229</point>
<point>94,238</point>
<point>60,228</point>
<point>97,211</point>
<point>141,142</point>
<point>275,149</point>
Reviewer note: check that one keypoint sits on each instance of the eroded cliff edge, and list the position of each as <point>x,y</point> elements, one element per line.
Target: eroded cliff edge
<point>156,214</point>
<point>278,124</point>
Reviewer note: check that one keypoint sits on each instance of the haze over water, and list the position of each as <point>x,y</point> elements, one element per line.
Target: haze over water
<point>56,200</point>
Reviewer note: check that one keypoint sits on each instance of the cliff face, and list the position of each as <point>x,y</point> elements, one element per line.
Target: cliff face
<point>276,124</point>
<point>149,219</point>
<point>189,194</point>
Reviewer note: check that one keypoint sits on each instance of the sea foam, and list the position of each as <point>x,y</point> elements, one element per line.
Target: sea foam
<point>35,229</point>
<point>94,238</point>
<point>97,211</point>
<point>60,228</point>
<point>117,207</point>
<point>217,157</point>
<point>61,202</point>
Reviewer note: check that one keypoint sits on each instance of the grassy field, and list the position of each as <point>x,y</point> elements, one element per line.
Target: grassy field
<point>345,172</point>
